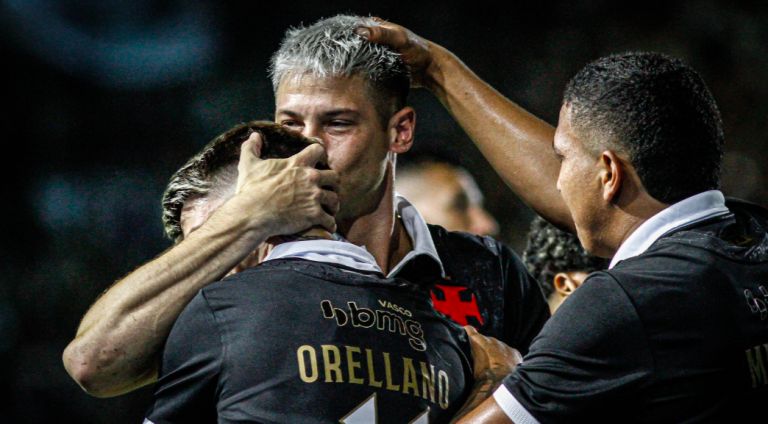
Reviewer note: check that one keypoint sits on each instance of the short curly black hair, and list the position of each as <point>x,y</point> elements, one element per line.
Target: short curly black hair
<point>551,251</point>
<point>659,113</point>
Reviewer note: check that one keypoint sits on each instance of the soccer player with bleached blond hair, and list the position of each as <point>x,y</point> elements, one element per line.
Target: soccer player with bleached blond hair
<point>304,313</point>
<point>332,85</point>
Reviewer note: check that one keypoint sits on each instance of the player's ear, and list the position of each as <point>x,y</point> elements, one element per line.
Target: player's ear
<point>611,175</point>
<point>400,130</point>
<point>565,284</point>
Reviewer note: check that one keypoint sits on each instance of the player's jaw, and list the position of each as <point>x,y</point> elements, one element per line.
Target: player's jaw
<point>579,185</point>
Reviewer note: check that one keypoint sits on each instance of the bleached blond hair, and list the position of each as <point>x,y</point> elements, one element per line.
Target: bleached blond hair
<point>331,48</point>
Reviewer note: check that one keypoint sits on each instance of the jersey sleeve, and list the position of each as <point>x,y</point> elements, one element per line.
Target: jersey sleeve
<point>191,363</point>
<point>586,363</point>
<point>525,308</point>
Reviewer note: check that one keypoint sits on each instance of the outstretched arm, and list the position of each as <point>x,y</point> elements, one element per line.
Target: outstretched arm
<point>118,344</point>
<point>517,144</point>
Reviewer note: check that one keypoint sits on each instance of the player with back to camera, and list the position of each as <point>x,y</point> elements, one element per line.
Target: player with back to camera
<point>333,85</point>
<point>306,329</point>
<point>675,330</point>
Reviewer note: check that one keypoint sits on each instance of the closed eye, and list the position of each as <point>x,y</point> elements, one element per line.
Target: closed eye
<point>293,125</point>
<point>340,124</point>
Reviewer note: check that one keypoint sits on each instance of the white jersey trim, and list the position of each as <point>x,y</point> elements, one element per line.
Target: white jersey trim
<point>695,208</point>
<point>514,410</point>
<point>342,252</point>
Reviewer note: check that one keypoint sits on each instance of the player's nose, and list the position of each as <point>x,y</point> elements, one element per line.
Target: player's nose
<point>313,132</point>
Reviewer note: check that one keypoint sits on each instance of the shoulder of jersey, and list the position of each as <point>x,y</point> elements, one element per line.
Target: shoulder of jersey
<point>461,240</point>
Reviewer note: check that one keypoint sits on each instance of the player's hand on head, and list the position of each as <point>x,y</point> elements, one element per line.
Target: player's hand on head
<point>327,180</point>
<point>290,194</point>
<point>415,51</point>
<point>491,354</point>
<point>250,152</point>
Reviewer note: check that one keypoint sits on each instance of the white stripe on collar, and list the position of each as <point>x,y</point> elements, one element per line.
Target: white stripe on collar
<point>339,252</point>
<point>417,228</point>
<point>345,253</point>
<point>695,208</point>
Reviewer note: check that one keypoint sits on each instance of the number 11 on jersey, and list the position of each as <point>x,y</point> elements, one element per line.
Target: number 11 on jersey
<point>366,413</point>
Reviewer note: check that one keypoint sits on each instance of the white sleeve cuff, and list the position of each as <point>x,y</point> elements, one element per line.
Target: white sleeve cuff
<point>147,421</point>
<point>512,407</point>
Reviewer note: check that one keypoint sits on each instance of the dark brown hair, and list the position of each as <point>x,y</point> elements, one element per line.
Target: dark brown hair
<point>196,177</point>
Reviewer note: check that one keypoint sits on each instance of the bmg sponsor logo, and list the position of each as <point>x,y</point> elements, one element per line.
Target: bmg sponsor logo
<point>379,319</point>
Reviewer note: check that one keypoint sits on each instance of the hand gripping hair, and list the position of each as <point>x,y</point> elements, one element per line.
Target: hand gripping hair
<point>212,172</point>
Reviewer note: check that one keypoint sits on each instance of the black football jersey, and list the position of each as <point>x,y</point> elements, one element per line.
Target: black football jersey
<point>486,285</point>
<point>678,334</point>
<point>294,341</point>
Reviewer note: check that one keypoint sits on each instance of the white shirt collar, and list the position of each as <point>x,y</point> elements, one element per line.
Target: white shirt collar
<point>342,252</point>
<point>417,229</point>
<point>339,252</point>
<point>695,208</point>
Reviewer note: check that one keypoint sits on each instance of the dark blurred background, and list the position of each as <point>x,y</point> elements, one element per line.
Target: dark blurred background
<point>104,99</point>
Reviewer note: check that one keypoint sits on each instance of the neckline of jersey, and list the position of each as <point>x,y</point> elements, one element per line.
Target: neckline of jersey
<point>342,252</point>
<point>696,208</point>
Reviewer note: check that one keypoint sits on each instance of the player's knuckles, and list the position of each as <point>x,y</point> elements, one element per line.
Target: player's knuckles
<point>382,34</point>
<point>312,175</point>
<point>276,163</point>
<point>393,33</point>
<point>315,217</point>
<point>316,195</point>
<point>329,178</point>
<point>331,200</point>
<point>480,339</point>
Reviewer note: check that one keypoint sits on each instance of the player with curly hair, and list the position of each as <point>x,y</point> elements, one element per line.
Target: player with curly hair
<point>558,261</point>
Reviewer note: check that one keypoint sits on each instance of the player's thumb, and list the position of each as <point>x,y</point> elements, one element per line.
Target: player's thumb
<point>250,151</point>
<point>311,155</point>
<point>251,148</point>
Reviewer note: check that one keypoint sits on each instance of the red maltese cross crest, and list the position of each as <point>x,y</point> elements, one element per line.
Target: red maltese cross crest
<point>454,307</point>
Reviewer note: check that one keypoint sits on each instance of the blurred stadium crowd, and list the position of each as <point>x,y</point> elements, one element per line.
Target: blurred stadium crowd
<point>105,99</point>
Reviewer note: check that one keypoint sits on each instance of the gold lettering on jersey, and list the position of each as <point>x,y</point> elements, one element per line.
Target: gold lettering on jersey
<point>409,377</point>
<point>312,364</point>
<point>334,366</point>
<point>756,365</point>
<point>394,307</point>
<point>371,375</point>
<point>388,373</point>
<point>334,370</point>
<point>428,381</point>
<point>388,320</point>
<point>361,317</point>
<point>442,384</point>
<point>379,319</point>
<point>353,365</point>
<point>330,312</point>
